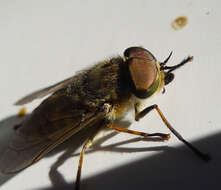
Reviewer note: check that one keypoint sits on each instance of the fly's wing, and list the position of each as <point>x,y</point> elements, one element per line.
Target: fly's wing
<point>45,91</point>
<point>50,124</point>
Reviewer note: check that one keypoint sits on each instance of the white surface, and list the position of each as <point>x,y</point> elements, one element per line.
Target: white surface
<point>45,41</point>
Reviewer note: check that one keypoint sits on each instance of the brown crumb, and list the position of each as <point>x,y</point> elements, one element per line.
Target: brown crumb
<point>179,22</point>
<point>22,112</point>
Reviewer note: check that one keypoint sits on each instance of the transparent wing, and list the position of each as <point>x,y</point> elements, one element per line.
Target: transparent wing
<point>49,125</point>
<point>45,91</point>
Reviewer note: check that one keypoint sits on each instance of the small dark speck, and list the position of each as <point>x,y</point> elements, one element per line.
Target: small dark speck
<point>207,13</point>
<point>209,122</point>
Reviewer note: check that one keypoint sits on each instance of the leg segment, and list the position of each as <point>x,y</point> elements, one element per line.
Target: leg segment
<point>161,135</point>
<point>141,114</point>
<point>86,145</point>
<point>80,163</point>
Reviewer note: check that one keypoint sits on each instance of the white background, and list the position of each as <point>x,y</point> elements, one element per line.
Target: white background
<point>45,41</point>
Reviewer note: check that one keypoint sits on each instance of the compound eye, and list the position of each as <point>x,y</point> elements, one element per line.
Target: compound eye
<point>138,52</point>
<point>143,73</point>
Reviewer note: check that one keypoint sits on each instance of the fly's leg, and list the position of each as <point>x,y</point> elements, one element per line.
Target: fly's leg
<point>89,141</point>
<point>139,115</point>
<point>161,135</point>
<point>87,144</point>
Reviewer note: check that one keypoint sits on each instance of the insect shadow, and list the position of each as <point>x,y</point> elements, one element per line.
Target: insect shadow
<point>169,170</point>
<point>6,127</point>
<point>70,146</point>
<point>57,178</point>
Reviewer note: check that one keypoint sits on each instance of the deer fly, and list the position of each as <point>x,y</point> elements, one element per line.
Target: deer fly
<point>94,97</point>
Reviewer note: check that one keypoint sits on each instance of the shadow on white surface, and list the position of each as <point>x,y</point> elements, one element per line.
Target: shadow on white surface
<point>57,179</point>
<point>70,146</point>
<point>174,168</point>
<point>6,127</point>
<point>7,131</point>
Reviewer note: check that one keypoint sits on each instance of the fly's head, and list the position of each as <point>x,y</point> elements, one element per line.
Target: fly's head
<point>147,74</point>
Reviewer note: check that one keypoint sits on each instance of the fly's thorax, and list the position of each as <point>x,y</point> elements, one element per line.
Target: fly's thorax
<point>105,82</point>
<point>102,79</point>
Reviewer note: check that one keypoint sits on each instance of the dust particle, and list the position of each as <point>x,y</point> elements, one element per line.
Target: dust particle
<point>22,112</point>
<point>179,22</point>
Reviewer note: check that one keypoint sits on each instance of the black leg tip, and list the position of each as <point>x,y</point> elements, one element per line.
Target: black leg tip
<point>206,157</point>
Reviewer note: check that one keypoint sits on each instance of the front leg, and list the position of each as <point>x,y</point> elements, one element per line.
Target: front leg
<point>141,114</point>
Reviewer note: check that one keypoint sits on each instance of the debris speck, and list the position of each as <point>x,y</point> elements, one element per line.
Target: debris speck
<point>22,112</point>
<point>207,13</point>
<point>179,22</point>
